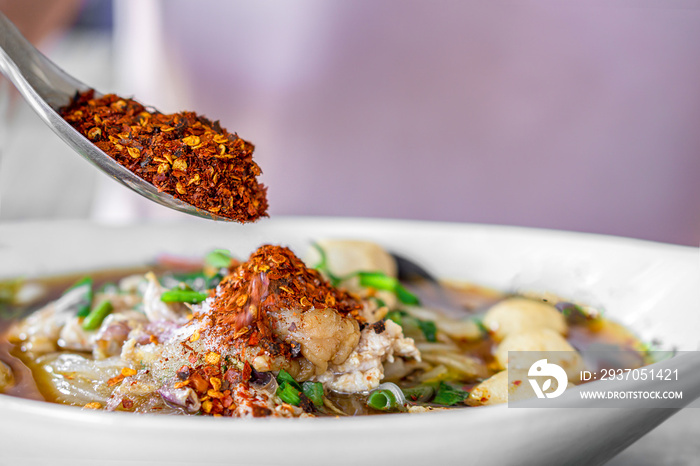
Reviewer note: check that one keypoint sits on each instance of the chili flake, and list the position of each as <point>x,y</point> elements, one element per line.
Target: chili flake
<point>127,403</point>
<point>183,154</point>
<point>206,406</point>
<point>115,380</point>
<point>215,382</point>
<point>212,358</point>
<point>273,278</point>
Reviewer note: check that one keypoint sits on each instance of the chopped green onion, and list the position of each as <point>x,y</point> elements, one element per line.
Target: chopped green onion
<point>84,305</point>
<point>428,328</point>
<point>94,319</point>
<point>183,296</point>
<point>406,296</point>
<point>382,281</point>
<point>382,400</point>
<point>289,394</point>
<point>420,393</point>
<point>396,316</point>
<point>378,280</point>
<point>314,392</point>
<point>284,377</point>
<point>83,281</point>
<point>218,258</point>
<point>448,395</point>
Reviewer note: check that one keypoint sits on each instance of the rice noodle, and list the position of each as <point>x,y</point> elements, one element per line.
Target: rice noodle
<point>470,368</point>
<point>436,373</point>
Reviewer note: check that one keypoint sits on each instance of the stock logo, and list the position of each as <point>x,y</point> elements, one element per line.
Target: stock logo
<point>541,369</point>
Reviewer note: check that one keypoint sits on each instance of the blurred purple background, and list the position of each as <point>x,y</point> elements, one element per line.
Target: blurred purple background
<point>569,115</point>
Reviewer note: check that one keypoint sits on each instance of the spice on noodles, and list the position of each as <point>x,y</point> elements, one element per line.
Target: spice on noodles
<point>273,278</point>
<point>183,154</point>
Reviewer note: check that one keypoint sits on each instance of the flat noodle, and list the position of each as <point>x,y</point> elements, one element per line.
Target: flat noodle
<point>425,347</point>
<point>328,404</point>
<point>470,368</point>
<point>436,373</point>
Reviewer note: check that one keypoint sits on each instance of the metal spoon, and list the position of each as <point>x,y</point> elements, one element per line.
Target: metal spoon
<point>46,88</point>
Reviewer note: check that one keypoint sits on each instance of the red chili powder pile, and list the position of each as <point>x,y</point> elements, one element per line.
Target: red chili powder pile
<point>183,154</point>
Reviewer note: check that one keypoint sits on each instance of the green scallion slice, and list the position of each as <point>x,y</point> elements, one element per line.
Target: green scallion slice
<point>377,280</point>
<point>448,395</point>
<point>381,281</point>
<point>183,296</point>
<point>94,319</point>
<point>429,329</point>
<point>383,400</point>
<point>421,393</point>
<point>284,377</point>
<point>396,316</point>
<point>289,394</point>
<point>406,296</point>
<point>83,281</point>
<point>314,392</point>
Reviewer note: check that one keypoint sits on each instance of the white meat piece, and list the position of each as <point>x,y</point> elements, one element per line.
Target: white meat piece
<point>363,369</point>
<point>518,315</point>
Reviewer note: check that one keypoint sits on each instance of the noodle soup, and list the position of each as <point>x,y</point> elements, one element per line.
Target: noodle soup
<point>272,335</point>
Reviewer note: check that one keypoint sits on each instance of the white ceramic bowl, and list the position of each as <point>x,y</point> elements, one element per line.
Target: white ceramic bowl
<point>652,288</point>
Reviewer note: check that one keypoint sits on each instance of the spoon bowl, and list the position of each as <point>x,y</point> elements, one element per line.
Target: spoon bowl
<point>47,88</point>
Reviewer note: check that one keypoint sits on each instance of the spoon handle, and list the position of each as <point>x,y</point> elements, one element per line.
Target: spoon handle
<point>38,79</point>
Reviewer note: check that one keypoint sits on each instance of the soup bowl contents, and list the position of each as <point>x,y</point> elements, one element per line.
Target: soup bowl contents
<point>183,154</point>
<point>274,336</point>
